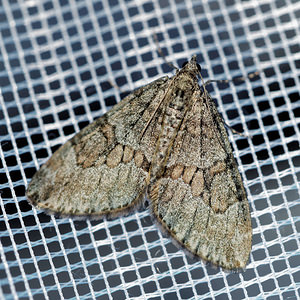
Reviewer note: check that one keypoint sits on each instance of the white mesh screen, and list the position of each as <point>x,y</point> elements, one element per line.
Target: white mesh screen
<point>56,60</point>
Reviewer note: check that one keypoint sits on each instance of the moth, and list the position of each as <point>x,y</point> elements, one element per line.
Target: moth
<point>165,140</point>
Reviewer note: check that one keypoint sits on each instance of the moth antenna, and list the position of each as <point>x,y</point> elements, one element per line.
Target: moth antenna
<point>152,116</point>
<point>236,131</point>
<point>226,81</point>
<point>242,78</point>
<point>155,38</point>
<point>114,85</point>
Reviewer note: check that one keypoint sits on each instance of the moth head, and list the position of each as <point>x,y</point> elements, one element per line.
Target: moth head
<point>192,65</point>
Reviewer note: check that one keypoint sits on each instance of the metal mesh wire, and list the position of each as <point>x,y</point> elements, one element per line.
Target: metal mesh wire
<point>56,61</point>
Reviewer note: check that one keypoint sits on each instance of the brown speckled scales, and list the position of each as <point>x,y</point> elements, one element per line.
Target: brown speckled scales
<point>168,140</point>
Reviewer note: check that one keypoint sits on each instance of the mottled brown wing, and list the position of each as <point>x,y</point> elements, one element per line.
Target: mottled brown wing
<point>102,169</point>
<point>200,198</point>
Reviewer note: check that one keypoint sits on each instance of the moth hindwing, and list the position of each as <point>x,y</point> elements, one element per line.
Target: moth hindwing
<point>168,140</point>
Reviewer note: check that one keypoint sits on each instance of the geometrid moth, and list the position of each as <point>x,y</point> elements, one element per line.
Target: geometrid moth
<point>168,141</point>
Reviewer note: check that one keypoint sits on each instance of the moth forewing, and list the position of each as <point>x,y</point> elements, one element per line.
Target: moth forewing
<point>101,171</point>
<point>169,139</point>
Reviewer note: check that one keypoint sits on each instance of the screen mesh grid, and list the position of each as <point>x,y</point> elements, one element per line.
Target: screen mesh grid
<point>57,62</point>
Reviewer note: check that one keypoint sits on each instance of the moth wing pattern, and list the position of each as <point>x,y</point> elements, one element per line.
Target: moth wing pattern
<point>200,199</point>
<point>101,171</point>
<point>167,139</point>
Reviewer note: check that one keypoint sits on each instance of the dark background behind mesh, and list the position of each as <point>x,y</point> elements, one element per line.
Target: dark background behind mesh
<point>56,61</point>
